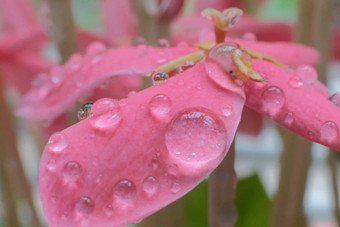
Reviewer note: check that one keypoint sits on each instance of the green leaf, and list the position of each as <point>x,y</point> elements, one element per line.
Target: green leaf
<point>252,203</point>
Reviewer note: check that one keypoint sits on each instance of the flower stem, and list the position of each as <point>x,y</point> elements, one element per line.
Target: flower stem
<point>222,186</point>
<point>63,27</point>
<point>11,165</point>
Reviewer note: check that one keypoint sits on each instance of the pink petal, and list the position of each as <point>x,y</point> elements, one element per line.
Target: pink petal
<point>297,101</point>
<point>251,122</point>
<point>81,75</point>
<point>133,157</point>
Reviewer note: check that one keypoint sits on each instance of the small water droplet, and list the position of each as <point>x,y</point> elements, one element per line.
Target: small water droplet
<point>57,143</point>
<point>273,99</point>
<point>72,171</point>
<point>150,186</point>
<point>160,105</point>
<point>196,130</point>
<point>154,163</point>
<point>159,77</point>
<point>108,210</point>
<point>51,165</point>
<point>125,190</point>
<point>173,169</point>
<point>307,73</point>
<point>335,98</point>
<point>161,61</point>
<point>105,114</point>
<point>295,82</point>
<point>163,43</point>
<point>289,119</point>
<point>84,111</point>
<point>84,205</point>
<point>329,131</point>
<point>175,187</point>
<point>227,110</point>
<point>95,48</point>
<point>138,41</point>
<point>132,93</point>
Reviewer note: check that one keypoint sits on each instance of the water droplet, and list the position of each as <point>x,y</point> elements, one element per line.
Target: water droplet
<point>329,131</point>
<point>173,169</point>
<point>180,82</point>
<point>335,99</point>
<point>95,48</point>
<point>196,130</point>
<point>154,163</point>
<point>227,110</point>
<point>289,119</point>
<point>163,43</point>
<point>84,205</point>
<point>295,82</point>
<point>175,187</point>
<point>72,171</point>
<point>150,186</point>
<point>125,190</point>
<point>138,41</point>
<point>160,105</point>
<point>105,114</point>
<point>161,61</point>
<point>108,210</point>
<point>233,21</point>
<point>307,73</point>
<point>84,111</point>
<point>249,36</point>
<point>57,143</point>
<point>51,165</point>
<point>159,77</point>
<point>273,99</point>
<point>132,93</point>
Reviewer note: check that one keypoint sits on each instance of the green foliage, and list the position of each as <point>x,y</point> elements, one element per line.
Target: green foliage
<point>252,203</point>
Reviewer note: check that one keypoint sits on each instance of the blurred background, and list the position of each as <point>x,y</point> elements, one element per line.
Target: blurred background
<point>305,182</point>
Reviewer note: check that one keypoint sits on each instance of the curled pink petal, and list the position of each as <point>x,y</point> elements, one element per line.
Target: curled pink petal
<point>297,102</point>
<point>133,157</point>
<point>78,78</point>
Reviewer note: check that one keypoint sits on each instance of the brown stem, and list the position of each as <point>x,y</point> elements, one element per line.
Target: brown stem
<point>11,164</point>
<point>63,27</point>
<point>295,161</point>
<point>222,186</point>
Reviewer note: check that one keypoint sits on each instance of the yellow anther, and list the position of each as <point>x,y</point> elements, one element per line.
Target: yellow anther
<point>258,55</point>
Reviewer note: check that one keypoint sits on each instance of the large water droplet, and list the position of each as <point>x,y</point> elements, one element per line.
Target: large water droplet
<point>273,99</point>
<point>84,111</point>
<point>307,73</point>
<point>196,134</point>
<point>295,82</point>
<point>227,110</point>
<point>175,187</point>
<point>72,171</point>
<point>163,43</point>
<point>159,77</point>
<point>329,131</point>
<point>160,106</point>
<point>125,190</point>
<point>84,205</point>
<point>95,48</point>
<point>150,186</point>
<point>57,143</point>
<point>335,99</point>
<point>105,114</point>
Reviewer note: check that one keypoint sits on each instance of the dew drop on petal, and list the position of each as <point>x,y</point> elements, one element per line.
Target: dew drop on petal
<point>159,77</point>
<point>173,169</point>
<point>335,98</point>
<point>125,190</point>
<point>154,163</point>
<point>138,41</point>
<point>105,114</point>
<point>84,111</point>
<point>57,143</point>
<point>273,99</point>
<point>132,93</point>
<point>307,73</point>
<point>95,48</point>
<point>329,131</point>
<point>295,82</point>
<point>150,185</point>
<point>51,165</point>
<point>227,110</point>
<point>196,130</point>
<point>84,206</point>
<point>163,43</point>
<point>108,210</point>
<point>289,119</point>
<point>72,171</point>
<point>160,105</point>
<point>175,187</point>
